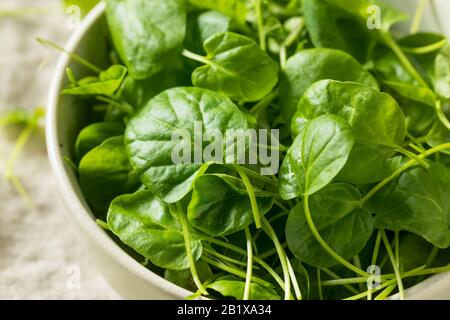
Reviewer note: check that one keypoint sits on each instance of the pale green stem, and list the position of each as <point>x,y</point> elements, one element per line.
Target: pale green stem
<point>441,115</point>
<point>298,293</point>
<point>195,57</point>
<point>248,278</point>
<point>72,55</point>
<point>264,103</point>
<point>386,292</point>
<point>402,169</point>
<point>251,194</point>
<point>187,242</point>
<point>236,249</point>
<point>102,224</point>
<point>394,264</point>
<point>260,23</point>
<point>392,44</point>
<point>415,26</point>
<point>337,278</point>
<point>224,257</point>
<point>322,242</point>
<point>426,49</point>
<point>414,156</point>
<point>282,255</point>
<point>319,284</point>
<point>234,271</point>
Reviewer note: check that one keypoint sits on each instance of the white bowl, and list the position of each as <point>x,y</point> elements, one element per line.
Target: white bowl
<point>64,120</point>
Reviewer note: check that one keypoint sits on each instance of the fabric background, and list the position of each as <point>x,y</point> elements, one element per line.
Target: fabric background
<point>40,256</point>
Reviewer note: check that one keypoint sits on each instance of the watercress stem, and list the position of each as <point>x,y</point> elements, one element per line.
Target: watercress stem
<point>392,44</point>
<point>415,25</point>
<point>337,278</point>
<point>394,264</point>
<point>376,249</point>
<point>264,103</point>
<point>319,283</point>
<point>386,292</point>
<point>195,57</point>
<point>232,270</point>
<point>414,156</point>
<point>251,194</point>
<point>248,279</point>
<point>224,257</point>
<point>426,49</point>
<point>441,115</point>
<point>236,249</point>
<point>255,175</point>
<point>297,291</point>
<point>72,55</point>
<point>187,242</point>
<point>102,224</point>
<point>282,256</point>
<point>322,242</point>
<point>283,56</point>
<point>397,247</point>
<point>402,169</point>
<point>124,107</point>
<point>260,23</point>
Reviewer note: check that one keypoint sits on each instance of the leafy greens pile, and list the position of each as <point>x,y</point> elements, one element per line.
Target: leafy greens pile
<point>363,188</point>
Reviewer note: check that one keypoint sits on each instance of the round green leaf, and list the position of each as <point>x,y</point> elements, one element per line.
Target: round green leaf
<point>147,34</point>
<point>319,152</point>
<point>236,67</point>
<point>311,65</point>
<point>144,223</point>
<point>94,134</point>
<point>149,137</point>
<point>105,172</point>
<point>376,119</point>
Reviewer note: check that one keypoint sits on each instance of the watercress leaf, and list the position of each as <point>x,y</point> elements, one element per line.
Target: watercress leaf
<point>340,221</point>
<point>376,120</point>
<point>144,223</point>
<point>106,83</point>
<point>105,172</point>
<point>317,155</point>
<point>331,27</point>
<point>178,110</point>
<point>417,104</point>
<point>419,94</point>
<point>438,134</point>
<point>237,67</point>
<point>233,287</point>
<point>147,34</point>
<point>94,134</point>
<point>183,278</point>
<point>220,205</point>
<point>443,73</point>
<point>202,26</point>
<point>311,65</point>
<point>417,202</point>
<point>235,9</point>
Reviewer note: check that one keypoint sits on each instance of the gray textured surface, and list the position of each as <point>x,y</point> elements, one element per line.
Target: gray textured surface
<point>40,256</point>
